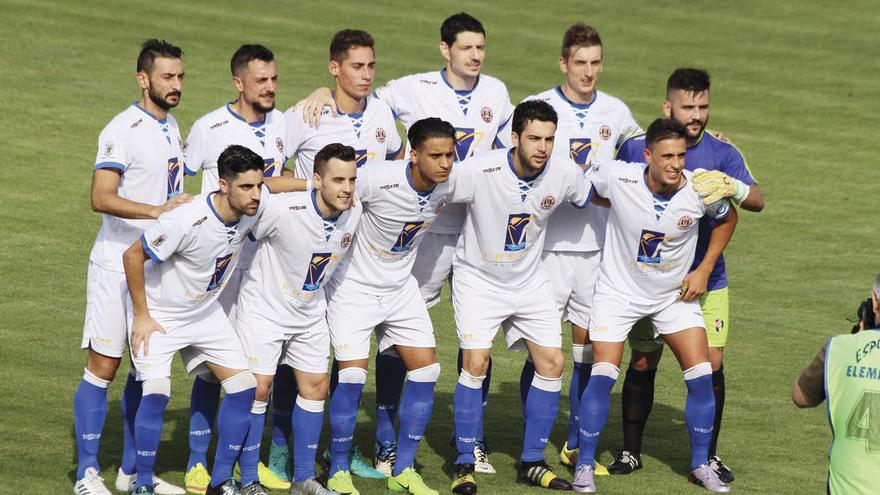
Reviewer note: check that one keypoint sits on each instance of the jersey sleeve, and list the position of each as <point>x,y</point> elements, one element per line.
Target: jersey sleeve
<point>394,142</point>
<point>390,94</point>
<point>599,177</point>
<point>630,150</point>
<point>811,380</point>
<point>580,188</point>
<point>270,215</point>
<point>462,182</point>
<point>195,156</point>
<point>112,153</point>
<point>502,137</point>
<point>296,132</point>
<point>629,128</point>
<point>362,186</point>
<point>166,236</point>
<point>718,210</point>
<point>734,165</point>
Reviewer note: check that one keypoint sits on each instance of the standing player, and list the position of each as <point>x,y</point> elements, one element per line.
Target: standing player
<point>251,121</point>
<point>687,102</point>
<point>374,289</point>
<point>478,106</point>
<point>591,126</point>
<point>137,177</point>
<point>652,238</point>
<point>510,196</point>
<point>174,308</point>
<point>282,308</point>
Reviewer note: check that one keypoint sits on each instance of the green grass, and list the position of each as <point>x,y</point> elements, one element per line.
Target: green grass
<point>794,86</point>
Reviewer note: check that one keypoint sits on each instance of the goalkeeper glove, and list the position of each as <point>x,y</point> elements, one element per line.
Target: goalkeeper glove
<point>714,185</point>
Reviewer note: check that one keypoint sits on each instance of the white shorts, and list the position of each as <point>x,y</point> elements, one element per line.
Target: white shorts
<point>613,317</point>
<point>106,327</point>
<point>229,297</point>
<point>529,314</point>
<point>433,265</point>
<point>266,344</point>
<point>573,276</point>
<point>209,337</point>
<point>400,318</point>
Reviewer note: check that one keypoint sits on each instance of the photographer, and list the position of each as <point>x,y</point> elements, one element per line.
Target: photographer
<point>846,371</point>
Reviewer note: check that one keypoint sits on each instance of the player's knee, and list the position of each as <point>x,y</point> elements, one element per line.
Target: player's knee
<point>103,367</point>
<point>550,365</point>
<point>263,389</point>
<point>645,361</point>
<point>314,389</point>
<point>476,363</point>
<point>157,386</point>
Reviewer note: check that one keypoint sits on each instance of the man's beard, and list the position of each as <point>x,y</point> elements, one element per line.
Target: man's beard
<point>160,101</point>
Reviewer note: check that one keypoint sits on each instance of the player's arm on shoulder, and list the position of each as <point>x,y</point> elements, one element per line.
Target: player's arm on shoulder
<point>195,151</point>
<point>313,104</point>
<point>462,183</point>
<point>808,389</point>
<point>695,283</point>
<point>580,187</point>
<point>105,198</point>
<point>599,178</point>
<point>287,183</point>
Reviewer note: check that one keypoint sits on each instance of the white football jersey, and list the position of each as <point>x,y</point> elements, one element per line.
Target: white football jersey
<point>394,222</point>
<point>585,134</point>
<point>651,239</point>
<point>298,251</point>
<point>193,253</point>
<point>147,153</point>
<point>221,128</point>
<point>372,133</point>
<point>507,216</point>
<point>477,115</point>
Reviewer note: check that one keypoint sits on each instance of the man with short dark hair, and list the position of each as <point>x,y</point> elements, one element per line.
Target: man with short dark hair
<point>687,102</point>
<point>138,175</point>
<point>251,121</point>
<point>645,272</point>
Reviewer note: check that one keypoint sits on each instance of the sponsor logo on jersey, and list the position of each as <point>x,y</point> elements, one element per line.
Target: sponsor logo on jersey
<point>220,267</point>
<point>137,123</point>
<point>440,206</point>
<point>363,157</point>
<point>427,81</point>
<point>199,221</point>
<point>175,177</point>
<point>579,150</point>
<point>548,202</point>
<point>345,241</point>
<point>625,180</point>
<point>280,145</point>
<point>466,139</point>
<point>380,135</point>
<point>389,186</point>
<point>270,165</point>
<point>297,207</point>
<point>605,132</point>
<point>315,275</point>
<point>491,169</point>
<point>486,114</point>
<point>219,124</point>
<point>719,325</point>
<point>649,246</point>
<point>685,222</point>
<point>407,236</point>
<point>517,224</point>
<point>108,149</point>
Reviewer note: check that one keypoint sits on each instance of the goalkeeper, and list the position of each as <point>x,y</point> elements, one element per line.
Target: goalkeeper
<point>724,174</point>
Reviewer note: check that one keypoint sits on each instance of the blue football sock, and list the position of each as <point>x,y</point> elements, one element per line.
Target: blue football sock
<point>308,417</point>
<point>487,381</point>
<point>416,407</point>
<point>343,416</point>
<point>525,382</point>
<point>390,374</point>
<point>699,411</point>
<point>233,423</point>
<point>89,412</point>
<point>467,415</point>
<point>250,450</point>
<point>203,405</point>
<point>148,432</point>
<point>580,376</point>
<point>283,395</point>
<point>131,399</point>
<point>334,376</point>
<point>594,410</point>
<point>542,406</point>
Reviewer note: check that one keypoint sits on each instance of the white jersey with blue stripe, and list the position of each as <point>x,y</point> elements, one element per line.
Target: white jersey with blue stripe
<point>298,252</point>
<point>651,239</point>
<point>147,154</point>
<point>585,133</point>
<point>507,216</point>
<point>221,128</point>
<point>477,115</point>
<point>371,133</point>
<point>193,253</point>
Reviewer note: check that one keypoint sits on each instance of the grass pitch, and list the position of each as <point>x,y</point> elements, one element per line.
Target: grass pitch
<point>794,87</point>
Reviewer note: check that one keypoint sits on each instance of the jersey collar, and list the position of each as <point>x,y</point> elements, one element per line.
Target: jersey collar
<point>257,123</point>
<point>578,106</point>
<point>513,169</point>
<point>214,211</point>
<point>458,91</point>
<point>409,181</point>
<point>142,109</point>
<point>660,196</point>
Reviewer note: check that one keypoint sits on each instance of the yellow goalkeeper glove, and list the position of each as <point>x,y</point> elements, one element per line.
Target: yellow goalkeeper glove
<point>714,185</point>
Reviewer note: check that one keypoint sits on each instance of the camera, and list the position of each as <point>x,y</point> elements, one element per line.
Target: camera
<point>865,314</point>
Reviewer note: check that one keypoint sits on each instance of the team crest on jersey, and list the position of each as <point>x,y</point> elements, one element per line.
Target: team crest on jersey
<point>345,241</point>
<point>220,267</point>
<point>719,325</point>
<point>108,149</point>
<point>465,141</point>
<point>175,177</point>
<point>380,135</point>
<point>158,241</point>
<point>363,157</point>
<point>486,114</point>
<point>440,205</point>
<point>685,223</point>
<point>517,224</point>
<point>650,244</point>
<point>579,150</point>
<point>269,167</point>
<point>280,145</point>
<point>315,275</point>
<point>407,236</point>
<point>605,132</point>
<point>548,202</point>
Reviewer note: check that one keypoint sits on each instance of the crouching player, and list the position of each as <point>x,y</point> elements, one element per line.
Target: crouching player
<point>510,195</point>
<point>174,308</point>
<point>649,249</point>
<point>282,309</point>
